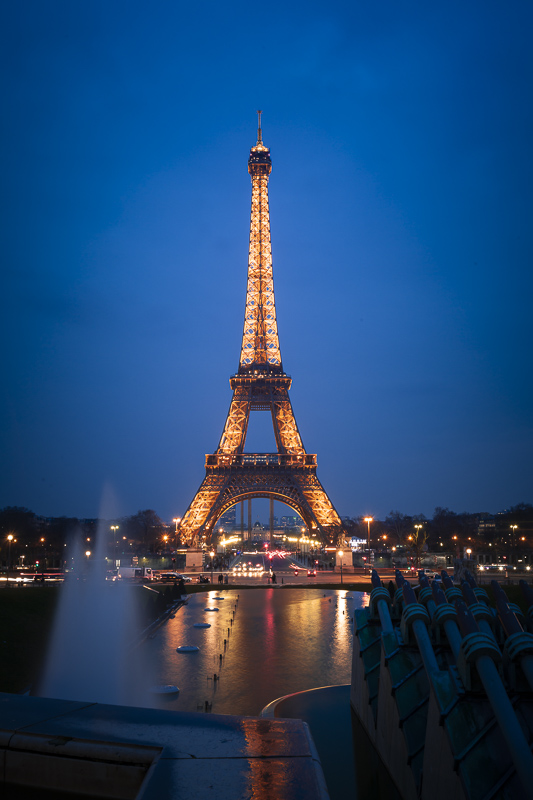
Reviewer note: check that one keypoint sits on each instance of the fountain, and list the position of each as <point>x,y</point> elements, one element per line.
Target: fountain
<point>89,657</point>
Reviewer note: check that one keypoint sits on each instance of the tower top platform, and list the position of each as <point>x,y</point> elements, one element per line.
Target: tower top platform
<point>259,162</point>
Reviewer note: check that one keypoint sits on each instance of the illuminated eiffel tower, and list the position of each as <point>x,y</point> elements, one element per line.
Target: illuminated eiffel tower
<point>289,475</point>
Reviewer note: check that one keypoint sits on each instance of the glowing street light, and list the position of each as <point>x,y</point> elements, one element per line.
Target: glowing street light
<point>115,528</point>
<point>10,538</point>
<point>212,554</point>
<point>368,520</point>
<point>176,522</point>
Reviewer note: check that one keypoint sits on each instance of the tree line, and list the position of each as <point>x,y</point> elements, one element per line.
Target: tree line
<point>448,529</point>
<point>144,532</point>
<point>36,537</point>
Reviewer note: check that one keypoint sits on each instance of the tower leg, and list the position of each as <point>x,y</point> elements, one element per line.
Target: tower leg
<point>250,518</point>
<point>242,521</point>
<point>271,520</point>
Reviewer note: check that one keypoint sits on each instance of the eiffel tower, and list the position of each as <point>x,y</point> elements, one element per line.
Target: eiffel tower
<point>260,383</point>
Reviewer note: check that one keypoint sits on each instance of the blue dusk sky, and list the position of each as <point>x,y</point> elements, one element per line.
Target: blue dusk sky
<point>401,203</point>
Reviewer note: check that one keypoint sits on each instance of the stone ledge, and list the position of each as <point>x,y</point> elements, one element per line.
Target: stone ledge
<point>124,752</point>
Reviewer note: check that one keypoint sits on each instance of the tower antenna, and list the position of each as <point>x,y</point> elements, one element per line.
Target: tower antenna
<point>259,134</point>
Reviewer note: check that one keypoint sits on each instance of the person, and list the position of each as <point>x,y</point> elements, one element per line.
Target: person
<point>273,577</point>
<point>226,578</point>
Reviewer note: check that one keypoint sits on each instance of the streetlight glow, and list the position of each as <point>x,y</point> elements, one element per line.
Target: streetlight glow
<point>368,520</point>
<point>114,528</point>
<point>341,555</point>
<point>10,538</point>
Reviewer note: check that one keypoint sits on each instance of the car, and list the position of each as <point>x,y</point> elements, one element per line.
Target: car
<point>174,576</point>
<point>311,573</point>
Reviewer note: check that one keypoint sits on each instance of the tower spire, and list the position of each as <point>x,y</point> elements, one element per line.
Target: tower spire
<point>259,134</point>
<point>260,343</point>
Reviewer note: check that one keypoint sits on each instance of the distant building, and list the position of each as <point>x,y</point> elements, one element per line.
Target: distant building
<point>486,526</point>
<point>291,521</point>
<point>228,518</point>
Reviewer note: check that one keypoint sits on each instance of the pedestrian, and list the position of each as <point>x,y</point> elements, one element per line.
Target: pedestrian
<point>273,577</point>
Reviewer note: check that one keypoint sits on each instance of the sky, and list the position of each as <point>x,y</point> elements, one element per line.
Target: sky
<point>400,202</point>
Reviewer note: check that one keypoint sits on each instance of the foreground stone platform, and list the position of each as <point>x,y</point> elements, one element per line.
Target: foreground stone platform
<point>96,750</point>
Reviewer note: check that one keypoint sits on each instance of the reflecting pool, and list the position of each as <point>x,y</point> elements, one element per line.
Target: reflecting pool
<point>262,644</point>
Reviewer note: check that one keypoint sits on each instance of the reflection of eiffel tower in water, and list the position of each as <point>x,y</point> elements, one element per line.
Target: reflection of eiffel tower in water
<point>289,475</point>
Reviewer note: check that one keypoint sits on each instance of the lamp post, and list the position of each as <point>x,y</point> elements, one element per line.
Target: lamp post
<point>513,539</point>
<point>368,520</point>
<point>176,522</point>
<point>222,541</point>
<point>341,554</point>
<point>417,544</point>
<point>10,538</point>
<point>212,554</point>
<point>115,528</point>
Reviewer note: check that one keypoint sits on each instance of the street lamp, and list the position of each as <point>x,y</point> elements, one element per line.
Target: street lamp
<point>513,539</point>
<point>212,557</point>
<point>368,520</point>
<point>418,528</point>
<point>10,538</point>
<point>115,528</point>
<point>176,522</point>
<point>341,555</point>
<point>43,542</point>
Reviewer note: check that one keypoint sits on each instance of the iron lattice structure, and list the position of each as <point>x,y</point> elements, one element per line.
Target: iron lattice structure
<point>260,384</point>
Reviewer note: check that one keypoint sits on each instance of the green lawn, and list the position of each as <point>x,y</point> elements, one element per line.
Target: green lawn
<point>26,616</point>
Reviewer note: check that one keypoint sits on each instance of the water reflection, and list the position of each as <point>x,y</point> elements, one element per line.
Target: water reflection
<point>278,641</point>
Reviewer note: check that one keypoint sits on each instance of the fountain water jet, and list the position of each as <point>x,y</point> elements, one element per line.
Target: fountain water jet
<point>90,654</point>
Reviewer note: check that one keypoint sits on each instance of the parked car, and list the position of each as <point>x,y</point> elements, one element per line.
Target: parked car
<point>140,574</point>
<point>311,573</point>
<point>174,576</point>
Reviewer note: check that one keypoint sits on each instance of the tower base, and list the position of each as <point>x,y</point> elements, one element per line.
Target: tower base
<point>194,559</point>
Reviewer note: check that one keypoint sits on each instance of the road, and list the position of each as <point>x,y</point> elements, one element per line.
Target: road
<point>254,569</point>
